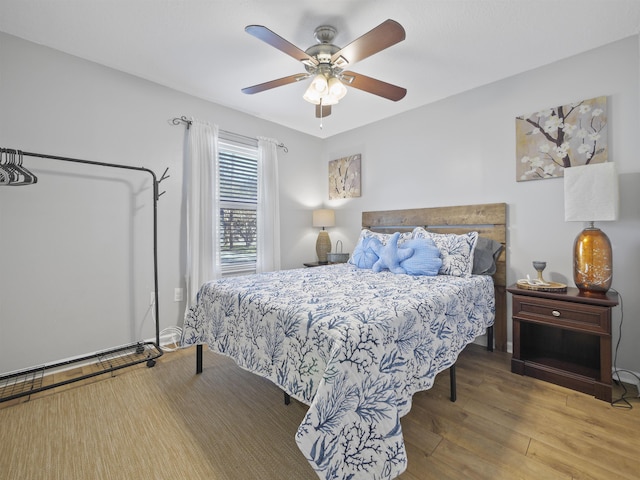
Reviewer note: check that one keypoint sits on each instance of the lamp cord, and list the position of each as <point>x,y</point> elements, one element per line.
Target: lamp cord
<point>621,402</point>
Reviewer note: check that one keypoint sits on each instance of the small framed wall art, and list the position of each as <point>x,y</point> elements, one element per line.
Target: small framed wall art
<point>550,140</point>
<point>344,177</point>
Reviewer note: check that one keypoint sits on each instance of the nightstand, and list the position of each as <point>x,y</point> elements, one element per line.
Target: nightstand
<point>564,338</point>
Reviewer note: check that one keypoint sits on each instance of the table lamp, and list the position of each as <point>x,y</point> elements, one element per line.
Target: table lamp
<point>591,195</point>
<point>323,218</point>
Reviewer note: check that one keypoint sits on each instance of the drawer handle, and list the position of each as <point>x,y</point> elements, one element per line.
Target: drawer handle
<point>555,313</point>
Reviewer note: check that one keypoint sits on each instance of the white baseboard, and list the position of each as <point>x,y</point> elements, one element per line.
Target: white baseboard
<point>169,337</point>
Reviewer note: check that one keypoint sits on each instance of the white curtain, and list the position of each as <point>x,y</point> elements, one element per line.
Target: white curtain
<point>268,206</point>
<point>201,183</point>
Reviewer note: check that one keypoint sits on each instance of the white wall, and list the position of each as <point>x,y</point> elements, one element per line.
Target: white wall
<point>461,150</point>
<point>76,270</point>
<point>457,151</point>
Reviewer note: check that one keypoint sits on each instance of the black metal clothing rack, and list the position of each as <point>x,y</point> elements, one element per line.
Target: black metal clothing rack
<point>27,382</point>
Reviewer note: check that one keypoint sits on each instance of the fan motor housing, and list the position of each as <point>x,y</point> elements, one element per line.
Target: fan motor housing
<point>324,50</point>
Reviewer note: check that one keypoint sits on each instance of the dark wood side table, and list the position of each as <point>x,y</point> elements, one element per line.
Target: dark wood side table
<point>564,338</point>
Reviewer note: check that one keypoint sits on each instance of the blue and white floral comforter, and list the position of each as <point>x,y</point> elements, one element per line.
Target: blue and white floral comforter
<point>352,344</point>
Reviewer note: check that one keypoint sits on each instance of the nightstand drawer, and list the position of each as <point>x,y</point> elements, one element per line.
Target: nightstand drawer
<point>563,314</point>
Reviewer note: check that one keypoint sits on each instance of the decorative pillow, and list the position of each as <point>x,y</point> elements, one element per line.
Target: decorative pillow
<point>390,255</point>
<point>456,251</point>
<point>485,256</point>
<point>425,259</point>
<point>383,238</point>
<point>364,255</point>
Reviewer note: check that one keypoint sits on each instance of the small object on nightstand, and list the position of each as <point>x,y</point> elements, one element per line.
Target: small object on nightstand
<point>539,266</point>
<point>528,284</point>
<point>337,257</point>
<point>540,284</point>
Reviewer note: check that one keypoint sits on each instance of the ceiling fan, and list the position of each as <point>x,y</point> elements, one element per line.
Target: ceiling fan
<point>326,63</point>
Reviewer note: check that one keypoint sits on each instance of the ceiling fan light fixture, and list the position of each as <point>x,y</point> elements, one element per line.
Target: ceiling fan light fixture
<point>320,84</point>
<point>324,91</point>
<point>329,100</point>
<point>336,88</point>
<point>311,95</point>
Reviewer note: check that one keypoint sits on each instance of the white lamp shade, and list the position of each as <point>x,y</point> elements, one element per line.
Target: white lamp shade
<point>591,193</point>
<point>326,91</point>
<point>324,218</point>
<point>329,100</point>
<point>311,95</point>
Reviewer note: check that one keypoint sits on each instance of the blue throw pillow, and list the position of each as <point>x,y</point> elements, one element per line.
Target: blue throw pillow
<point>364,255</point>
<point>425,259</point>
<point>390,256</point>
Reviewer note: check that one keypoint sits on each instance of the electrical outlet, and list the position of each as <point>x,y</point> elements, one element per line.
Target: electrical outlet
<point>178,295</point>
<point>152,298</point>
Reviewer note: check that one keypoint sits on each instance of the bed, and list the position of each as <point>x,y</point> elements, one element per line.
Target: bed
<point>355,344</point>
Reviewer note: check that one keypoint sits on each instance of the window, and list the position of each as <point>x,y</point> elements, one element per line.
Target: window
<point>238,159</point>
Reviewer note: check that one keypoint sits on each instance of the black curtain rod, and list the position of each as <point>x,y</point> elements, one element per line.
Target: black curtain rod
<point>156,196</point>
<point>187,122</point>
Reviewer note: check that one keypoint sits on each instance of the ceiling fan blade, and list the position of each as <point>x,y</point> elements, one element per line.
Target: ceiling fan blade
<point>371,85</point>
<point>386,34</point>
<point>323,111</point>
<point>275,83</point>
<point>275,40</point>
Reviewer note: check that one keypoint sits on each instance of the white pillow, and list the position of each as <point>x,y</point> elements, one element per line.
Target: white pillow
<point>456,250</point>
<point>384,237</point>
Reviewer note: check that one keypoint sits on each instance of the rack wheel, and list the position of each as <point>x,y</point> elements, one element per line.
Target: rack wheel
<point>151,363</point>
<point>139,349</point>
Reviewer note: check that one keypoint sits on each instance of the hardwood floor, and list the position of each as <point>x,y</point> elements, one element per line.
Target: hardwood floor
<point>509,426</point>
<point>502,426</point>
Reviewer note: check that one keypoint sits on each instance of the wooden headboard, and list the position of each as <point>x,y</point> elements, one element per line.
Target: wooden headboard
<point>489,220</point>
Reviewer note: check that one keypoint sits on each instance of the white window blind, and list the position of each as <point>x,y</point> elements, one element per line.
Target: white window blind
<point>238,160</point>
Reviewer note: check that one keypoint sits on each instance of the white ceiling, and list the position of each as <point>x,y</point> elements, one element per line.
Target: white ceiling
<point>200,47</point>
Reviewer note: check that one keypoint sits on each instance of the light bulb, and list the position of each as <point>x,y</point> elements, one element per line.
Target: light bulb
<point>319,83</point>
<point>336,88</point>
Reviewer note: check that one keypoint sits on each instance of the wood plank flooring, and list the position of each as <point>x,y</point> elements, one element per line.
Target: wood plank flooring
<point>502,426</point>
<point>507,426</point>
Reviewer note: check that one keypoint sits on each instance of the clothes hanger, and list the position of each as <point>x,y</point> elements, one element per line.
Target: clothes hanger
<point>17,178</point>
<point>15,173</point>
<point>5,176</point>
<point>29,177</point>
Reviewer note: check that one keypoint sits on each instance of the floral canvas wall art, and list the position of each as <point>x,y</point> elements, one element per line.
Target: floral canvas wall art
<point>344,177</point>
<point>553,139</point>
